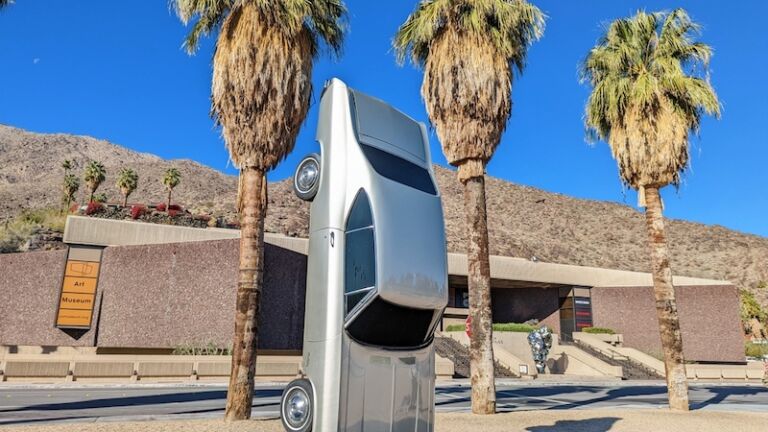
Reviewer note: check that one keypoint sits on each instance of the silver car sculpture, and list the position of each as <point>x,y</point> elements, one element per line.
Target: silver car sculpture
<point>377,280</point>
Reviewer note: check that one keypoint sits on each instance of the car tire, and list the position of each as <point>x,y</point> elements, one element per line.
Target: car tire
<point>303,191</point>
<point>297,405</point>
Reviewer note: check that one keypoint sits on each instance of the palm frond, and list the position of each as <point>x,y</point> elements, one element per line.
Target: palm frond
<point>324,19</point>
<point>650,88</point>
<point>511,26</point>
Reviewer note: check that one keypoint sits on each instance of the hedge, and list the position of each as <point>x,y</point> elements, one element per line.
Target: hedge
<point>598,330</point>
<point>499,327</point>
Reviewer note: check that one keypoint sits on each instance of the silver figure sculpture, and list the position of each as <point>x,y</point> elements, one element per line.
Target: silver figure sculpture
<point>541,342</point>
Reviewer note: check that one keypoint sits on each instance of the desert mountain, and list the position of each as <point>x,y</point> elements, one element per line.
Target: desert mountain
<point>523,221</point>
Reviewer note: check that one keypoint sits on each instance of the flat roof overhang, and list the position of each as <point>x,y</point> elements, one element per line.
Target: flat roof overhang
<point>506,272</point>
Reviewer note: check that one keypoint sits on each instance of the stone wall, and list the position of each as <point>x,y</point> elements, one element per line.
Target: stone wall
<point>709,320</point>
<point>154,296</point>
<point>30,284</point>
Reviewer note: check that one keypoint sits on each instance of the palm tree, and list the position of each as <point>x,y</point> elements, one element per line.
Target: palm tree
<point>94,175</point>
<point>127,181</point>
<point>67,198</point>
<point>469,50</point>
<point>4,3</point>
<point>70,188</point>
<point>262,82</point>
<point>650,91</point>
<point>171,179</point>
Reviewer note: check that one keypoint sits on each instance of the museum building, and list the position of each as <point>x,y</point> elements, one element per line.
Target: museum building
<point>124,286</point>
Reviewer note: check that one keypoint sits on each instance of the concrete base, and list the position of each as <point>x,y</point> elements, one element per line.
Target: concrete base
<point>43,368</point>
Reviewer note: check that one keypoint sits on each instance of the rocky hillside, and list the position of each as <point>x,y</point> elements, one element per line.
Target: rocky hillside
<point>523,221</point>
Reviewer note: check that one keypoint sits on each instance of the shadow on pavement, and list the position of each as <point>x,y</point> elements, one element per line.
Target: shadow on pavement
<point>720,393</point>
<point>616,393</point>
<point>602,424</point>
<point>157,399</point>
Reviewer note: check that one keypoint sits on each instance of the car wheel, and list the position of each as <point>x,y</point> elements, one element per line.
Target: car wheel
<point>306,180</point>
<point>296,406</point>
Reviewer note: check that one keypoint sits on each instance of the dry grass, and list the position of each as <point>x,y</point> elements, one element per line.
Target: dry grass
<point>17,231</point>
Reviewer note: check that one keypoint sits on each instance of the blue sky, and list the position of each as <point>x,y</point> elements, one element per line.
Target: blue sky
<point>115,70</point>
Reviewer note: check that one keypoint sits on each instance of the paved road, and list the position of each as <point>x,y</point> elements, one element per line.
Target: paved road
<point>24,405</point>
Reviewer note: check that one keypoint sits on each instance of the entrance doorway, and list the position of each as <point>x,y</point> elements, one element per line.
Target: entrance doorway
<point>575,311</point>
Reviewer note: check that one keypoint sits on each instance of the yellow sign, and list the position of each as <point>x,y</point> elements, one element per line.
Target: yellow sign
<point>78,293</point>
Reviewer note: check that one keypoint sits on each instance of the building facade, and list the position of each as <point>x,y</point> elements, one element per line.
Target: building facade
<point>161,287</point>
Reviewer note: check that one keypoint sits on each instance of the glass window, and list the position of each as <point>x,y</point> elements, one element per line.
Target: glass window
<point>359,253</point>
<point>399,170</point>
<point>359,271</point>
<point>360,215</point>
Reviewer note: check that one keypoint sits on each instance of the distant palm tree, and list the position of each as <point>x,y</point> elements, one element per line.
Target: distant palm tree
<point>469,50</point>
<point>70,188</point>
<point>171,179</point>
<point>127,181</point>
<point>67,183</point>
<point>650,91</point>
<point>262,82</point>
<point>94,175</point>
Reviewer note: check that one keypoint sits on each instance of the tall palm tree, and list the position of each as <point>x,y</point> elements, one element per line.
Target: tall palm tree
<point>94,175</point>
<point>171,179</point>
<point>127,181</point>
<point>469,50</point>
<point>262,82</point>
<point>650,91</point>
<point>70,187</point>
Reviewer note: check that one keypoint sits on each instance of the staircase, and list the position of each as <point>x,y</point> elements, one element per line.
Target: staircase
<point>459,354</point>
<point>632,370</point>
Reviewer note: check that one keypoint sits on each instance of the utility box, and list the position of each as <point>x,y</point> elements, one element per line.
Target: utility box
<point>377,280</point>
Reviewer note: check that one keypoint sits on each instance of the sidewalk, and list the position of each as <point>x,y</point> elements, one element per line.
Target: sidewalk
<point>615,420</point>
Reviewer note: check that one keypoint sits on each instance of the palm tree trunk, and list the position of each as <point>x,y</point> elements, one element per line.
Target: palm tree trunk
<point>125,201</point>
<point>666,306</point>
<point>253,210</point>
<point>168,207</point>
<point>479,279</point>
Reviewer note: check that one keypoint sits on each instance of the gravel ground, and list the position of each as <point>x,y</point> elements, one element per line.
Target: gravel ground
<point>527,421</point>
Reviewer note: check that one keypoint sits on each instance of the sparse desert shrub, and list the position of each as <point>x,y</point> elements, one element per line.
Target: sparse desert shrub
<point>137,211</point>
<point>204,349</point>
<point>93,207</point>
<point>598,330</point>
<point>15,232</point>
<point>757,350</point>
<point>751,308</point>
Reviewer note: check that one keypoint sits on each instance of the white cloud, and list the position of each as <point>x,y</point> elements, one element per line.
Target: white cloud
<point>36,60</point>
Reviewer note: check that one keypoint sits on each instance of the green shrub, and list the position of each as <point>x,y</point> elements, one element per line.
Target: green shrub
<point>598,330</point>
<point>513,327</point>
<point>752,349</point>
<point>751,309</point>
<point>498,327</point>
<point>455,327</point>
